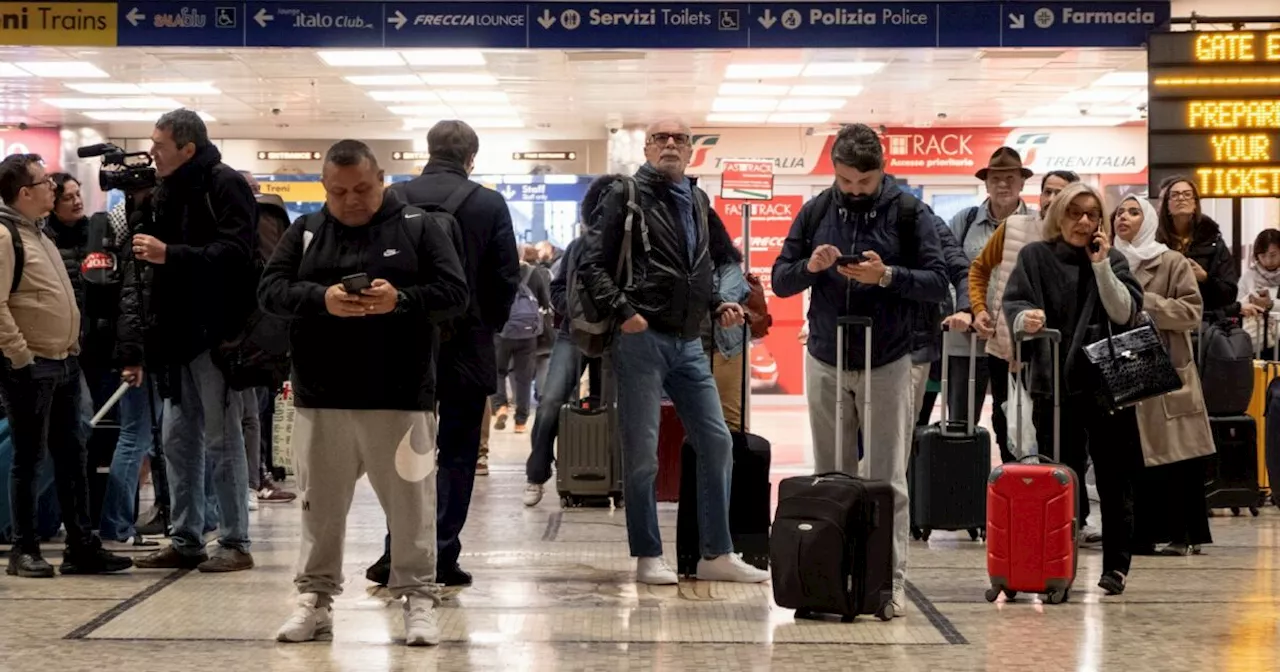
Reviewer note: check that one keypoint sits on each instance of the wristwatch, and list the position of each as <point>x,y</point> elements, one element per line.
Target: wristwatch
<point>402,303</point>
<point>887,278</point>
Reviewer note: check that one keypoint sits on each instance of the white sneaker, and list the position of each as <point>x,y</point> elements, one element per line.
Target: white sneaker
<point>655,572</point>
<point>308,622</point>
<point>253,501</point>
<point>421,622</point>
<point>1090,535</point>
<point>730,567</point>
<point>532,494</point>
<point>899,600</point>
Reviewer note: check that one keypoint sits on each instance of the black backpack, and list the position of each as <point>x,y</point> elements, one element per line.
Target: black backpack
<point>19,255</point>
<point>445,214</point>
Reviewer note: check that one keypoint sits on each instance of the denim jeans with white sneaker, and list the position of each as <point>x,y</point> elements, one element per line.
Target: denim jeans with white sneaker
<point>118,513</point>
<point>646,364</point>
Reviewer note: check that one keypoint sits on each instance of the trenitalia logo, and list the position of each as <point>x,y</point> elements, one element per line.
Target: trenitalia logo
<point>1027,143</point>
<point>702,145</point>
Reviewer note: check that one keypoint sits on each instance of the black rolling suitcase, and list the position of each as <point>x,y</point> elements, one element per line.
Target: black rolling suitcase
<point>749,493</point>
<point>832,546</point>
<point>950,463</point>
<point>1232,481</point>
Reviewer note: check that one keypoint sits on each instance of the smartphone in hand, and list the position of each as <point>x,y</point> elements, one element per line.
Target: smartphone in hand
<point>356,283</point>
<point>850,259</point>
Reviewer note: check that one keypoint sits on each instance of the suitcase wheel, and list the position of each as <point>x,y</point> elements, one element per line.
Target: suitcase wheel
<point>973,534</point>
<point>885,613</point>
<point>1235,510</point>
<point>1058,597</point>
<point>846,619</point>
<point>1254,511</point>
<point>568,502</point>
<point>915,531</point>
<point>992,594</point>
<point>925,534</point>
<point>804,613</point>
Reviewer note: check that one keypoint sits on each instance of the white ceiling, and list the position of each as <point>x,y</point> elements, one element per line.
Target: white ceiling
<point>293,93</point>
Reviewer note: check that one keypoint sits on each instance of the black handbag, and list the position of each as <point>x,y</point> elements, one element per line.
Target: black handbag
<point>1131,367</point>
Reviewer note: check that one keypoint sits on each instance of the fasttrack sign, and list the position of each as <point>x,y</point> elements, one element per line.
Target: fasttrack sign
<point>747,180</point>
<point>1214,111</point>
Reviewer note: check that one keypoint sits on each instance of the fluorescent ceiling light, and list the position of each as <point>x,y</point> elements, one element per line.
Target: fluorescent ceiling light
<point>739,89</point>
<point>811,104</point>
<point>496,122</point>
<point>1110,95</point>
<point>418,111</point>
<point>460,79</point>
<point>1048,122</point>
<point>800,118</point>
<point>106,88</point>
<point>443,57</point>
<point>63,69</point>
<point>119,115</point>
<point>409,96</point>
<point>819,90</point>
<point>181,88</point>
<point>1065,110</point>
<point>113,103</point>
<point>1122,79</point>
<point>369,58</point>
<point>744,104</point>
<point>482,112</point>
<point>763,70</point>
<point>384,80</point>
<point>842,69</point>
<point>11,70</point>
<point>474,96</point>
<point>736,118</point>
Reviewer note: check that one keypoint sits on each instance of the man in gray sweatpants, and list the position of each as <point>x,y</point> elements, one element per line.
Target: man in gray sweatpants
<point>865,248</point>
<point>365,281</point>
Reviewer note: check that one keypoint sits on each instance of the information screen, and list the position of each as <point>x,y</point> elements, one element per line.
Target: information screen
<point>1214,111</point>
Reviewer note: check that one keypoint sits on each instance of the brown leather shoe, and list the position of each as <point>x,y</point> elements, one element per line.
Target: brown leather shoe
<point>169,558</point>
<point>227,560</point>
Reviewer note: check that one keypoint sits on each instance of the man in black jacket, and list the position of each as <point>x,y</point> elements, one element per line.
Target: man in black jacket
<point>198,246</point>
<point>371,410</point>
<point>898,266</point>
<point>469,370</point>
<point>660,347</point>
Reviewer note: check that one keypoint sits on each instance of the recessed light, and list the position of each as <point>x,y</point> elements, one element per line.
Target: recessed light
<point>368,58</point>
<point>1130,79</point>
<point>460,79</point>
<point>811,104</point>
<point>744,104</point>
<point>736,118</point>
<point>182,88</point>
<point>826,90</point>
<point>11,70</point>
<point>800,118</point>
<point>63,69</point>
<point>106,88</point>
<point>443,57</point>
<point>384,80</point>
<point>842,69</point>
<point>112,103</point>
<point>408,96</point>
<point>762,70</point>
<point>474,96</point>
<point>742,89</point>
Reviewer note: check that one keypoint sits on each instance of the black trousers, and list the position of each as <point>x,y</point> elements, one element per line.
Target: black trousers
<point>43,406</point>
<point>1113,442</point>
<point>991,372</point>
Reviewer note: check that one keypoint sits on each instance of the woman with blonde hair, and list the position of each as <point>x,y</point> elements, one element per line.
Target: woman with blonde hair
<point>1073,281</point>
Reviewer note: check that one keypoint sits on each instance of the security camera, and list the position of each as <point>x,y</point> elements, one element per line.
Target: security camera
<point>1084,111</point>
<point>22,126</point>
<point>613,130</point>
<point>275,111</point>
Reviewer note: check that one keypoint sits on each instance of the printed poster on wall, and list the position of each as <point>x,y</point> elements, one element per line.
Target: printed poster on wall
<point>777,360</point>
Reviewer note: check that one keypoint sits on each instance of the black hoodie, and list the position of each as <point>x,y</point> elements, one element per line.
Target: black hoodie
<point>384,362</point>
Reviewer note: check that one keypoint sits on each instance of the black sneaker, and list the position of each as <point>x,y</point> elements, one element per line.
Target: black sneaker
<point>380,571</point>
<point>1112,582</point>
<point>29,566</point>
<point>454,577</point>
<point>93,559</point>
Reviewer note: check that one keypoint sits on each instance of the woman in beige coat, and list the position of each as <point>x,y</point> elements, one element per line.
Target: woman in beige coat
<point>1170,504</point>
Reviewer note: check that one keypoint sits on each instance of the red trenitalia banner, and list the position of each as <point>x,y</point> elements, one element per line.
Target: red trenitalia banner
<point>43,141</point>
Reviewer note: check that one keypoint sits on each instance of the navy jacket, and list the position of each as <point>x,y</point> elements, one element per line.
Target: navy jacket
<point>917,278</point>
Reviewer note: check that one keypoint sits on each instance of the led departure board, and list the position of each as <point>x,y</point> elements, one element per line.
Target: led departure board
<point>1213,111</point>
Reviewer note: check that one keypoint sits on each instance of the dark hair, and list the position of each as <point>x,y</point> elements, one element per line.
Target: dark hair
<point>186,127</point>
<point>60,181</point>
<point>858,146</point>
<point>15,173</point>
<point>347,153</point>
<point>720,245</point>
<point>1165,232</point>
<point>453,140</point>
<point>1064,175</point>
<point>1267,239</point>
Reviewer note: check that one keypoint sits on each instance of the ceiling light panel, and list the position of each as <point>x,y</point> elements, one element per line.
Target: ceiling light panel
<point>113,103</point>
<point>407,96</point>
<point>820,90</point>
<point>385,80</point>
<point>736,118</point>
<point>842,69</point>
<point>444,57</point>
<point>763,71</point>
<point>495,122</point>
<point>11,70</point>
<point>460,79</point>
<point>181,88</point>
<point>1107,95</point>
<point>63,69</point>
<point>1079,120</point>
<point>811,104</point>
<point>418,110</point>
<point>1130,79</point>
<point>467,111</point>
<point>743,89</point>
<point>474,96</point>
<point>800,118</point>
<point>367,58</point>
<point>120,115</point>
<point>744,104</point>
<point>106,88</point>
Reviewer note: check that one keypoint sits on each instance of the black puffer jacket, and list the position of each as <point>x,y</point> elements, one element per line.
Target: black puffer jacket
<point>1212,253</point>
<point>672,294</point>
<point>89,252</point>
<point>204,292</point>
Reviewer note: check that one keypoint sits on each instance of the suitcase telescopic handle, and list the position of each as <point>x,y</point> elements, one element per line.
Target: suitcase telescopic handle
<point>843,323</point>
<point>1020,338</point>
<point>973,384</point>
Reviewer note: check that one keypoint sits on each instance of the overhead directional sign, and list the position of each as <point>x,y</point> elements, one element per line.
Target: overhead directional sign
<point>584,25</point>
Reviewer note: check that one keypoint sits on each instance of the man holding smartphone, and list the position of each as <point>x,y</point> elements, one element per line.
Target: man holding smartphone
<point>368,277</point>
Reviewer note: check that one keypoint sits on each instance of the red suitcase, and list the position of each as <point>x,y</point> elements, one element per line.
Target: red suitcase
<point>670,442</point>
<point>1031,514</point>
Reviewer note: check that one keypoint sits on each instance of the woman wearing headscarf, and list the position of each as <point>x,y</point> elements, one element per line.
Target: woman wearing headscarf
<point>1170,500</point>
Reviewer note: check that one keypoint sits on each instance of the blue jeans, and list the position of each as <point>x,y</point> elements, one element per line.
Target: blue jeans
<point>645,364</point>
<point>563,374</point>
<point>203,425</point>
<point>118,513</point>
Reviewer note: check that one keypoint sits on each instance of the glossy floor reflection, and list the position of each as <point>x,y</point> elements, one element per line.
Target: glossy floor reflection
<point>554,592</point>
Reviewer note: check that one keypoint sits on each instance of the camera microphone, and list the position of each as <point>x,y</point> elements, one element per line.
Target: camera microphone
<point>96,150</point>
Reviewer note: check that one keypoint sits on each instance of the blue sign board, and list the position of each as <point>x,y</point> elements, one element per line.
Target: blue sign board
<point>196,24</point>
<point>313,24</point>
<point>641,25</point>
<point>490,25</point>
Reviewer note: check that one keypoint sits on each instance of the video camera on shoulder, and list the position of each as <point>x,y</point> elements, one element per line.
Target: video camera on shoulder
<point>129,172</point>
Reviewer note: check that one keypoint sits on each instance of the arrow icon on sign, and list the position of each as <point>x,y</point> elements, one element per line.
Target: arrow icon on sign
<point>767,20</point>
<point>398,20</point>
<point>263,18</point>
<point>135,17</point>
<point>1017,21</point>
<point>546,19</point>
<point>509,193</point>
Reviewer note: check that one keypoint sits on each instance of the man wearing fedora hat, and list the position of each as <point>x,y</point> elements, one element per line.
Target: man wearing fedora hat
<point>1005,177</point>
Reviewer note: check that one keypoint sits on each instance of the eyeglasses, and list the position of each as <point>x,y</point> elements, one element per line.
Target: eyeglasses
<point>1182,195</point>
<point>681,139</point>
<point>46,182</point>
<point>1074,214</point>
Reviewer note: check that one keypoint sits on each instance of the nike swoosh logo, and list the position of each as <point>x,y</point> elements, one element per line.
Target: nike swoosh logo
<point>416,454</point>
<point>413,215</point>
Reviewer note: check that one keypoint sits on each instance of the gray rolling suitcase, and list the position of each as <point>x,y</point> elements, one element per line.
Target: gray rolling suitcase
<point>588,454</point>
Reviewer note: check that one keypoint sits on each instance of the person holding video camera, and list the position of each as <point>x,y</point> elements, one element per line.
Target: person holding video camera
<point>198,246</point>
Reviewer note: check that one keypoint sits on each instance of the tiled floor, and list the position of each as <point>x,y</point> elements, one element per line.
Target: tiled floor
<point>554,592</point>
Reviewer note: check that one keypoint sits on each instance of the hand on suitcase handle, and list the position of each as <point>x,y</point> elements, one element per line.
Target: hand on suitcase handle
<point>1047,334</point>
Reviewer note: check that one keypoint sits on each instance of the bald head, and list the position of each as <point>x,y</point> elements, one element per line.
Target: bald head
<point>668,147</point>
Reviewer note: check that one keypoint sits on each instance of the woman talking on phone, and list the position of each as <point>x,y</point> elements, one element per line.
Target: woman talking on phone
<point>1073,281</point>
